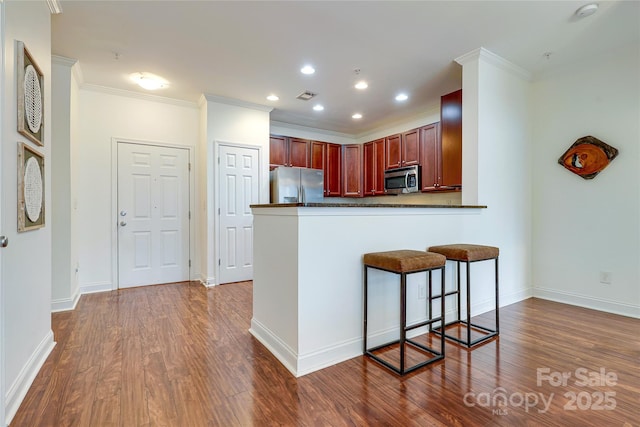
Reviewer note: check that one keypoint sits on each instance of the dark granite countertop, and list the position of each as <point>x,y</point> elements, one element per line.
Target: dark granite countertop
<point>363,205</point>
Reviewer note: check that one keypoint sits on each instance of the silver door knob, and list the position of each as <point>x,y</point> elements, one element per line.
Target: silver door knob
<point>123,213</point>
<point>123,223</point>
<point>4,241</point>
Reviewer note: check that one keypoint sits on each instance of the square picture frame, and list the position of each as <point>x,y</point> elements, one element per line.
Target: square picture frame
<point>31,185</point>
<point>30,96</point>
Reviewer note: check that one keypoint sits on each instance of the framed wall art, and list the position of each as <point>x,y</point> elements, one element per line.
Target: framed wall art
<point>30,96</point>
<point>30,188</point>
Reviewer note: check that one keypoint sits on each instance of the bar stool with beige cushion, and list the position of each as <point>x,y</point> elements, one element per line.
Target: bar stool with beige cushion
<point>468,254</point>
<point>404,262</point>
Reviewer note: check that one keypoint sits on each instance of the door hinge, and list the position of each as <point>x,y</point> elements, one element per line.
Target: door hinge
<point>189,214</point>
<point>189,165</point>
<point>189,263</point>
<point>218,211</point>
<point>218,160</point>
<point>218,261</point>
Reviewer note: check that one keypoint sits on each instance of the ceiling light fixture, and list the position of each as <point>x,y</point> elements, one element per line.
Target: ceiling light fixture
<point>401,97</point>
<point>361,85</point>
<point>587,10</point>
<point>307,69</point>
<point>318,107</point>
<point>356,116</point>
<point>149,81</point>
<point>273,97</point>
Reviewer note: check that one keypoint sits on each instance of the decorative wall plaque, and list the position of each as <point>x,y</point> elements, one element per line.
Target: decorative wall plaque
<point>588,156</point>
<point>30,96</point>
<point>30,188</point>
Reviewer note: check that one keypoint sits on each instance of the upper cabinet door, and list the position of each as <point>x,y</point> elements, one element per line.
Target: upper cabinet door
<point>318,150</point>
<point>369,169</point>
<point>393,149</point>
<point>333,172</point>
<point>430,157</point>
<point>352,170</point>
<point>411,148</point>
<point>299,152</point>
<point>278,151</point>
<point>451,139</point>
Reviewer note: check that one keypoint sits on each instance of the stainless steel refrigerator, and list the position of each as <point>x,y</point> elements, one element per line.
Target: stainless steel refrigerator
<point>296,185</point>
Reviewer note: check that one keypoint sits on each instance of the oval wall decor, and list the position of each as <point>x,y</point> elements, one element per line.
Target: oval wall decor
<point>588,156</point>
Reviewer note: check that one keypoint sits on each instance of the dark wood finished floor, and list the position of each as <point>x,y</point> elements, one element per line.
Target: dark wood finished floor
<point>180,355</point>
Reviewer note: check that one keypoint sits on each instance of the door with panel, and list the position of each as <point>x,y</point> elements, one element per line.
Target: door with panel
<point>153,214</point>
<point>238,177</point>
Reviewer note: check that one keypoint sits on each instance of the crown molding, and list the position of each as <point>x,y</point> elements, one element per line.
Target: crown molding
<point>275,123</point>
<point>136,95</point>
<point>490,57</point>
<point>54,6</point>
<point>236,102</point>
<point>63,60</point>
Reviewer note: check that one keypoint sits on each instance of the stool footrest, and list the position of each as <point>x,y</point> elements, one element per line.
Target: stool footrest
<point>437,355</point>
<point>490,333</point>
<point>446,294</point>
<point>426,322</point>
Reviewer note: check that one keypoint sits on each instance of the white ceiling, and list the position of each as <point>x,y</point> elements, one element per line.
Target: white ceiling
<point>247,50</point>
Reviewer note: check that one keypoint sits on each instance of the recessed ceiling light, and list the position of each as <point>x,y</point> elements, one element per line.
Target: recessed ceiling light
<point>318,107</point>
<point>587,10</point>
<point>361,85</point>
<point>356,116</point>
<point>307,69</point>
<point>149,81</point>
<point>273,97</point>
<point>401,97</point>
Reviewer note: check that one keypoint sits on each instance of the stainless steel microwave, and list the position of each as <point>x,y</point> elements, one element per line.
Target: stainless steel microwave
<point>402,180</point>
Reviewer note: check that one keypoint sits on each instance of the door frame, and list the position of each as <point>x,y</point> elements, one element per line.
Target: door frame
<point>115,279</point>
<point>216,196</point>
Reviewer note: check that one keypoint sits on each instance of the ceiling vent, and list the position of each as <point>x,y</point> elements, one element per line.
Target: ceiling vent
<point>306,95</point>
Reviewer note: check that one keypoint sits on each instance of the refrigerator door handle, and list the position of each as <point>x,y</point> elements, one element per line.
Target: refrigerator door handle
<point>302,196</point>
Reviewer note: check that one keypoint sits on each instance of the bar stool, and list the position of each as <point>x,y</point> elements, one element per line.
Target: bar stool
<point>404,262</point>
<point>468,253</point>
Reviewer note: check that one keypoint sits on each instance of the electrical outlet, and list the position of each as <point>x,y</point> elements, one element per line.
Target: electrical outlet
<point>422,291</point>
<point>605,277</point>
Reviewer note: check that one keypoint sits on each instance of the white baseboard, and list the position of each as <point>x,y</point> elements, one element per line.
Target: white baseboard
<point>90,288</point>
<point>18,390</point>
<point>629,310</point>
<point>65,304</point>
<point>285,354</point>
<point>208,281</point>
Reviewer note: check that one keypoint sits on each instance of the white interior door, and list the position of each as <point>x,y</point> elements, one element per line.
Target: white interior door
<point>239,186</point>
<point>153,215</point>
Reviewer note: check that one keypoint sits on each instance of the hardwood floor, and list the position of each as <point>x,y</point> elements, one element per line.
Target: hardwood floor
<point>181,355</point>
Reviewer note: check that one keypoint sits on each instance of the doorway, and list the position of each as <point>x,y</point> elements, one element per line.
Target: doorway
<point>238,183</point>
<point>153,192</point>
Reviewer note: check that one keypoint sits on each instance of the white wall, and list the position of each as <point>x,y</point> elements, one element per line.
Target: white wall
<point>236,122</point>
<point>105,114</point>
<point>64,287</point>
<point>583,227</point>
<point>26,262</point>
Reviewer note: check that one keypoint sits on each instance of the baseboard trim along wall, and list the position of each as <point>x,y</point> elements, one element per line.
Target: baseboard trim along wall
<point>65,304</point>
<point>18,390</point>
<point>91,288</point>
<point>276,346</point>
<point>628,310</point>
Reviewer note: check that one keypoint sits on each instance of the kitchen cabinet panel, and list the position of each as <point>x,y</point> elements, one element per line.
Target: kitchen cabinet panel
<point>451,140</point>
<point>286,151</point>
<point>352,170</point>
<point>333,171</point>
<point>318,154</point>
<point>402,149</point>
<point>430,159</point>
<point>374,167</point>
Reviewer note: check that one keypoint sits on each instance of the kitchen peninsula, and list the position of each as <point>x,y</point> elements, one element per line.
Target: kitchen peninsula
<point>307,289</point>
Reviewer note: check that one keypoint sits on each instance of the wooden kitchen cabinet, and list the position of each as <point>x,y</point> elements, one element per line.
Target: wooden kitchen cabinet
<point>430,157</point>
<point>402,149</point>
<point>286,151</point>
<point>451,140</point>
<point>374,167</point>
<point>327,156</point>
<point>352,170</point>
